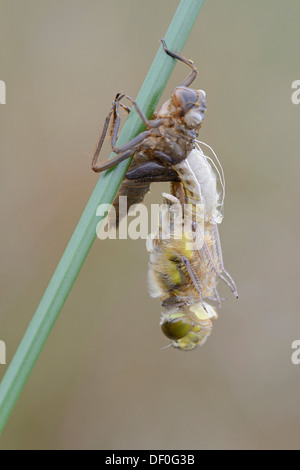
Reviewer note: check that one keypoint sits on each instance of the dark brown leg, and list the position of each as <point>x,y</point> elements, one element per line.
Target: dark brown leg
<point>151,171</point>
<point>191,77</point>
<point>104,131</point>
<point>126,150</point>
<point>123,152</point>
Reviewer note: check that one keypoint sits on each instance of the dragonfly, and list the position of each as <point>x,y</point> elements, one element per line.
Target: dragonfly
<point>182,276</point>
<point>183,273</point>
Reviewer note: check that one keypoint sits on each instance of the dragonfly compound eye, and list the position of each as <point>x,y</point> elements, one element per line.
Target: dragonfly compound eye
<point>184,99</point>
<point>176,327</point>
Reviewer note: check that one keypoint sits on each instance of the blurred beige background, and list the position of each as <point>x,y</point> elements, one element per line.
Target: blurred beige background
<point>102,380</point>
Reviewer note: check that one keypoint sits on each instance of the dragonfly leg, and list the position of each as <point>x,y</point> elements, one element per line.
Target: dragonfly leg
<point>220,257</point>
<point>219,270</point>
<point>131,146</point>
<point>123,152</point>
<point>148,123</point>
<point>217,297</point>
<point>194,278</point>
<point>191,77</point>
<point>151,171</point>
<point>104,132</point>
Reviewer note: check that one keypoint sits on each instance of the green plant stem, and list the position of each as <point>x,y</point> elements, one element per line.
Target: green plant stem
<point>85,232</point>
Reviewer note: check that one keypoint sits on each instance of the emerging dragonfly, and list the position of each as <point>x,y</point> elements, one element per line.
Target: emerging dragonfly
<point>183,273</point>
<point>168,151</point>
<point>181,276</point>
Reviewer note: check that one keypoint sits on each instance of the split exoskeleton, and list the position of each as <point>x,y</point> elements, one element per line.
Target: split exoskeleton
<point>181,274</point>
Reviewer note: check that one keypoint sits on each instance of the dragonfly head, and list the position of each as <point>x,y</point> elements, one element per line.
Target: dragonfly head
<point>190,105</point>
<point>188,327</point>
